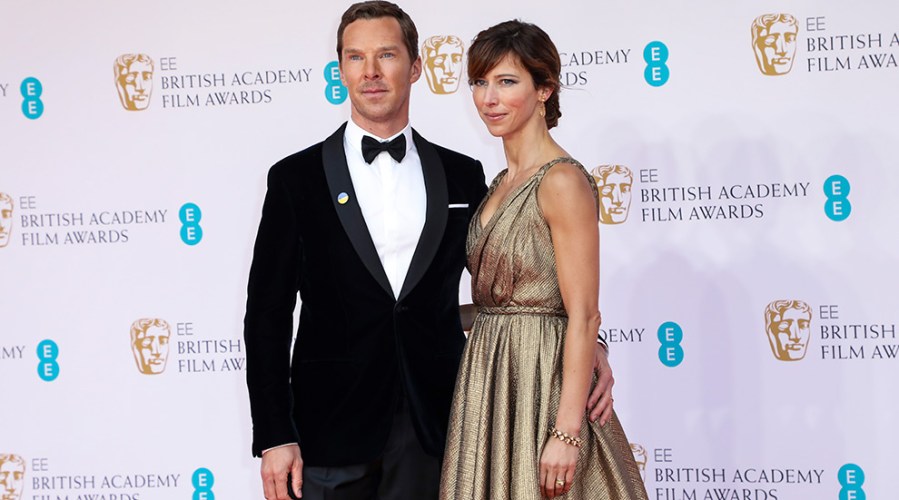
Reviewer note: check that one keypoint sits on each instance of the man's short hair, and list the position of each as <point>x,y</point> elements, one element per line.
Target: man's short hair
<point>375,9</point>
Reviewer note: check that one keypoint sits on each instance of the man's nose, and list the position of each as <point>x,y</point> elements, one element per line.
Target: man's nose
<point>372,69</point>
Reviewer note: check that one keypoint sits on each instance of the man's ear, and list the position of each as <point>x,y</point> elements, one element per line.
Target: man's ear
<point>415,73</point>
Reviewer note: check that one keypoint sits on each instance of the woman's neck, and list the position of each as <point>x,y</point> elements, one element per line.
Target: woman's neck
<point>528,149</point>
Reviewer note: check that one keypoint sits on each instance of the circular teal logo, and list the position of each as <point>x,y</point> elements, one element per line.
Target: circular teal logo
<point>851,478</point>
<point>31,90</point>
<point>202,481</point>
<point>656,56</point>
<point>670,336</point>
<point>47,354</point>
<point>837,207</point>
<point>335,91</point>
<point>190,215</point>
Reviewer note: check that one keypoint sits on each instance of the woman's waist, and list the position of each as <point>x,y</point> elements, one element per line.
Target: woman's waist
<point>536,310</point>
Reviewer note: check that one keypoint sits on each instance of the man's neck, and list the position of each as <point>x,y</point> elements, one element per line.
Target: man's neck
<point>384,130</point>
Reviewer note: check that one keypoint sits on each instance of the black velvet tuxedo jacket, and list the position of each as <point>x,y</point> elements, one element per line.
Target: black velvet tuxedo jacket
<point>357,347</point>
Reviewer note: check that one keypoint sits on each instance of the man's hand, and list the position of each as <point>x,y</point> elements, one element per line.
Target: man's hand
<point>276,464</point>
<point>599,404</point>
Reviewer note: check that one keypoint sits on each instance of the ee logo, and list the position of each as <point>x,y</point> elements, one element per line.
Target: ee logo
<point>202,481</point>
<point>32,106</point>
<point>47,353</point>
<point>335,91</point>
<point>190,215</point>
<point>671,335</point>
<point>837,207</point>
<point>851,477</point>
<point>656,56</point>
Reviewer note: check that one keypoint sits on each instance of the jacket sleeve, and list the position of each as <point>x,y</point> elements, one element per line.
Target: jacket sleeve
<point>268,328</point>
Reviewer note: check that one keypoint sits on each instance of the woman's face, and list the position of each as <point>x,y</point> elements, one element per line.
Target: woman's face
<point>506,99</point>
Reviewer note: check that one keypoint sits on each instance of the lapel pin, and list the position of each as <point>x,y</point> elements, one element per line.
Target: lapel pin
<point>342,198</point>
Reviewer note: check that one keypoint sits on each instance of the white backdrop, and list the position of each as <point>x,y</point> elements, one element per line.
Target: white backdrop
<point>96,233</point>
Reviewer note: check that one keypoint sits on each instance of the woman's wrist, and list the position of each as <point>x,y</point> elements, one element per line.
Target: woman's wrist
<point>565,437</point>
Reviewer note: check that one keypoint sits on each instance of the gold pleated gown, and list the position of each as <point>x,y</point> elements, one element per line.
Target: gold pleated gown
<point>510,379</point>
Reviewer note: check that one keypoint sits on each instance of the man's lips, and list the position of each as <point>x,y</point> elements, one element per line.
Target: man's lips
<point>373,91</point>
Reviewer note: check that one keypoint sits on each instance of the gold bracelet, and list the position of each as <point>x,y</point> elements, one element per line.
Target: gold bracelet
<point>565,438</point>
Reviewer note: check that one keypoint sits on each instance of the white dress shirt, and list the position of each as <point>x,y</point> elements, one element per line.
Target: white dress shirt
<point>392,198</point>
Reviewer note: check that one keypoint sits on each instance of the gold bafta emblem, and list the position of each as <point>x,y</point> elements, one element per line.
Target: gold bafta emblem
<point>443,63</point>
<point>5,219</point>
<point>134,80</point>
<point>12,476</point>
<point>150,344</point>
<point>774,42</point>
<point>787,323</point>
<point>640,457</point>
<point>614,185</point>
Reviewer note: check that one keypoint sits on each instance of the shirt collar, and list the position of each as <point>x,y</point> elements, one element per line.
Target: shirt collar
<point>354,133</point>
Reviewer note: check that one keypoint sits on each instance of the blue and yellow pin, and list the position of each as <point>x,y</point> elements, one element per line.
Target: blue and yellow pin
<point>342,198</point>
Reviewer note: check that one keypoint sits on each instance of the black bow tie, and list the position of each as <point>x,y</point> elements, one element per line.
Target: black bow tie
<point>372,147</point>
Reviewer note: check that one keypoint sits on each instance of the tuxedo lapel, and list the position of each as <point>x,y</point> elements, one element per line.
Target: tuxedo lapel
<point>340,183</point>
<point>435,214</point>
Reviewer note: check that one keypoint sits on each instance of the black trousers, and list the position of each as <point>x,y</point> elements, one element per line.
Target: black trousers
<point>403,472</point>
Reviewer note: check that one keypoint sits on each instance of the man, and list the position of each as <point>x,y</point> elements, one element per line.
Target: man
<point>443,63</point>
<point>150,344</point>
<point>774,43</point>
<point>134,80</point>
<point>614,185</point>
<point>374,241</point>
<point>787,323</point>
<point>12,477</point>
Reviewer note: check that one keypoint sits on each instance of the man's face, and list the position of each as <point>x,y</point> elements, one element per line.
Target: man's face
<point>135,85</point>
<point>376,68</point>
<point>789,334</point>
<point>443,67</point>
<point>775,48</point>
<point>614,198</point>
<point>12,476</point>
<point>152,350</point>
<point>5,221</point>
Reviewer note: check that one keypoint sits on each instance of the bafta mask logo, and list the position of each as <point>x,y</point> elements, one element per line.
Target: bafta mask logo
<point>443,63</point>
<point>614,185</point>
<point>5,219</point>
<point>12,477</point>
<point>787,323</point>
<point>134,80</point>
<point>774,42</point>
<point>640,457</point>
<point>150,344</point>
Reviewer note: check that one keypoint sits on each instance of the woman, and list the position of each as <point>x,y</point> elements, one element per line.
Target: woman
<point>518,427</point>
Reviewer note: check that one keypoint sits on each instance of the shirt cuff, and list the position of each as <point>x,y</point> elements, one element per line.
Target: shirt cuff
<point>279,446</point>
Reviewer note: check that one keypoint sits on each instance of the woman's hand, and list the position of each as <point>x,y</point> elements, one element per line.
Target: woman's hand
<point>557,466</point>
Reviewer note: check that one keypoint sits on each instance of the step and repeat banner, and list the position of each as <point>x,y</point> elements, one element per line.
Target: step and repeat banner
<point>746,159</point>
